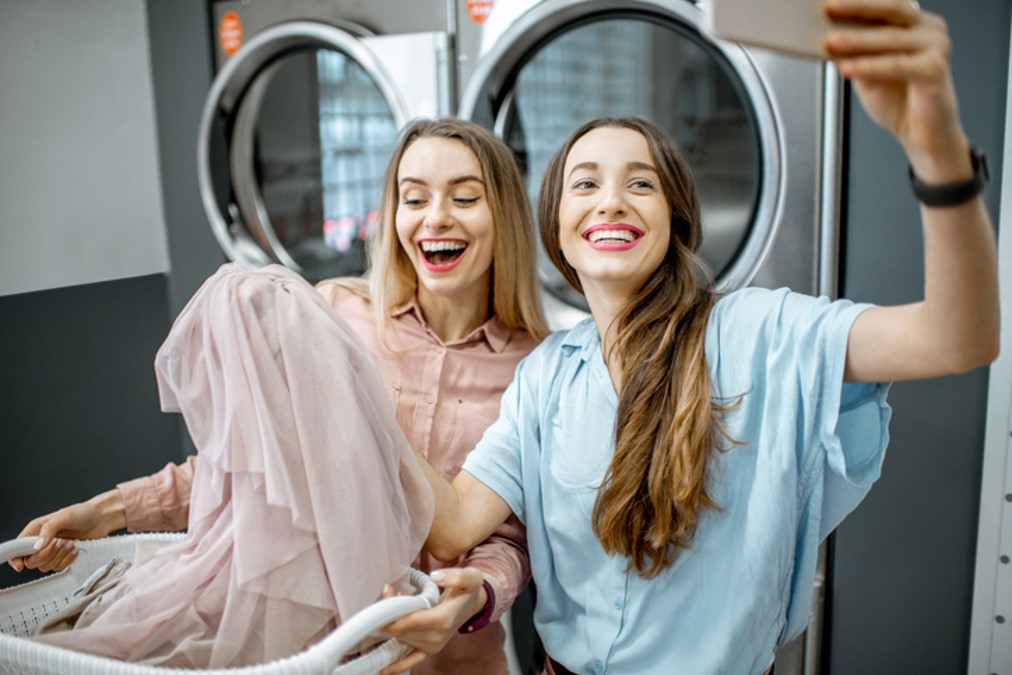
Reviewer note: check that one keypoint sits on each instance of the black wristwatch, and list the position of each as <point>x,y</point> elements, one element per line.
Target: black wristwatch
<point>952,194</point>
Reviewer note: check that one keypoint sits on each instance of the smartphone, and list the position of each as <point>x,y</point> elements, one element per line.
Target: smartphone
<point>792,26</point>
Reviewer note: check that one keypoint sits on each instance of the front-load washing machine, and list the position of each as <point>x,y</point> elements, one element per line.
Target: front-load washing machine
<point>297,128</point>
<point>759,129</point>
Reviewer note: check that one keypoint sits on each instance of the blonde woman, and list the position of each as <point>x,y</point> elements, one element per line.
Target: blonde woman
<point>678,457</point>
<point>449,309</point>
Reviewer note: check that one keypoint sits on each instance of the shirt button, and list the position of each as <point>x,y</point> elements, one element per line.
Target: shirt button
<point>429,399</point>
<point>440,349</point>
<point>598,666</point>
<point>618,604</point>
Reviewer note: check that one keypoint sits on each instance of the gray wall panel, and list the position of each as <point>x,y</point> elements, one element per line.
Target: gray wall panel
<point>78,400</point>
<point>79,197</point>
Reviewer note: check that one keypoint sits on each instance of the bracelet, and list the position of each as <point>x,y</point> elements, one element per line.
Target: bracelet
<point>952,194</point>
<point>484,617</point>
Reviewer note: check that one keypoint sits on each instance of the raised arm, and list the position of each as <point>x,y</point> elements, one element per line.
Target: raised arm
<point>899,67</point>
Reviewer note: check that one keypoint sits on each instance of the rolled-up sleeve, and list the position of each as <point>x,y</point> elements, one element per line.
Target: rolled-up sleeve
<point>161,501</point>
<point>504,563</point>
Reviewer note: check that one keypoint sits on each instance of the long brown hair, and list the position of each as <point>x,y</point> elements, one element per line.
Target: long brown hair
<point>513,292</point>
<point>668,424</point>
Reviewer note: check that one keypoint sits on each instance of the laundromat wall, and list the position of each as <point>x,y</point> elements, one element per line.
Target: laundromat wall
<point>78,402</point>
<point>79,410</point>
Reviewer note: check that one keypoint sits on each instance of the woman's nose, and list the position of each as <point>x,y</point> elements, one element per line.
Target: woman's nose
<point>611,203</point>
<point>438,216</point>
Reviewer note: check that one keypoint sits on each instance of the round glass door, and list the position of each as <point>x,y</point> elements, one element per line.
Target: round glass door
<point>301,137</point>
<point>644,63</point>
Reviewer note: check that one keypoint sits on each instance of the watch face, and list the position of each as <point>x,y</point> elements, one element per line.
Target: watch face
<point>979,159</point>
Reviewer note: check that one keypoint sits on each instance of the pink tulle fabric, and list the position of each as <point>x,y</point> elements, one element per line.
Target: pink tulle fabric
<point>306,498</point>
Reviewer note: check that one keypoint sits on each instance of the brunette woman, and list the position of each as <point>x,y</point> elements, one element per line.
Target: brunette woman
<point>678,457</point>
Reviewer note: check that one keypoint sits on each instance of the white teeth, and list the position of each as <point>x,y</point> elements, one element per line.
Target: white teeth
<point>434,246</point>
<point>619,235</point>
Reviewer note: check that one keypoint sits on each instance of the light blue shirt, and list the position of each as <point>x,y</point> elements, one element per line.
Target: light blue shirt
<point>812,447</point>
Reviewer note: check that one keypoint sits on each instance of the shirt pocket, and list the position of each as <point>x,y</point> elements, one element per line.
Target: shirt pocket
<point>464,428</point>
<point>402,410</point>
<point>579,458</point>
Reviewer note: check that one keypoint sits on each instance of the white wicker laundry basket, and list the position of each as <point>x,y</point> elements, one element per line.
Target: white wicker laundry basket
<point>23,607</point>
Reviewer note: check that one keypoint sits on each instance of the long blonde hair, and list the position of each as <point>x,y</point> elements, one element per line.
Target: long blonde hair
<point>668,425</point>
<point>513,291</point>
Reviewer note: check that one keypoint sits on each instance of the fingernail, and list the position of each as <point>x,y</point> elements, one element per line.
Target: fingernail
<point>438,575</point>
<point>39,544</point>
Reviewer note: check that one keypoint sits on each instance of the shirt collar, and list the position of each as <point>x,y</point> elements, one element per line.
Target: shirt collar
<point>584,342</point>
<point>492,331</point>
<point>582,338</point>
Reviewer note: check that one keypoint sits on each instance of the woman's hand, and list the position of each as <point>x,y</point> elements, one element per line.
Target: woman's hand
<point>92,519</point>
<point>897,58</point>
<point>428,631</point>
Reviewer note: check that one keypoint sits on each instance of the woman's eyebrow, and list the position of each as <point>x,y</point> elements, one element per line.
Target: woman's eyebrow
<point>630,166</point>
<point>641,165</point>
<point>452,181</point>
<point>583,165</point>
<point>465,179</point>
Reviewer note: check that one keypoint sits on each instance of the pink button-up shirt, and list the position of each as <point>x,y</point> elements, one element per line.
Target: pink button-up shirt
<point>445,395</point>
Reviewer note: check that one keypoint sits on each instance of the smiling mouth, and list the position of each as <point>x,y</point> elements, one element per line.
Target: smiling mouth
<point>612,236</point>
<point>442,253</point>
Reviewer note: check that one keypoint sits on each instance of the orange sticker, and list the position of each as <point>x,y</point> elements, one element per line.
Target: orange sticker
<point>230,33</point>
<point>479,10</point>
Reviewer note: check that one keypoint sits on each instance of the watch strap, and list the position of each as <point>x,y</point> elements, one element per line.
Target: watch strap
<point>953,194</point>
<point>484,617</point>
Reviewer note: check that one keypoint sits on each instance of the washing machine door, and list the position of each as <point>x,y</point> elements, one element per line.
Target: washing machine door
<point>294,139</point>
<point>567,61</point>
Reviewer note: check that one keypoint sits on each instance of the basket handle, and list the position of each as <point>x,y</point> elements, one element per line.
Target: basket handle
<point>16,548</point>
<point>373,617</point>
